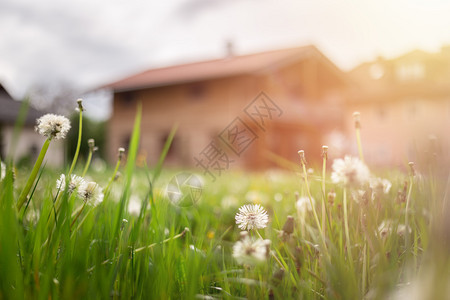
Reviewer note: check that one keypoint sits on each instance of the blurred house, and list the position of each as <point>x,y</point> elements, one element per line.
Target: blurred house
<point>235,111</point>
<point>405,107</point>
<point>29,142</point>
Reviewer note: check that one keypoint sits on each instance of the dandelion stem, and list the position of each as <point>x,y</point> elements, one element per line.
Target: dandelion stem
<point>81,222</point>
<point>277,259</point>
<point>347,235</point>
<point>324,169</point>
<point>271,252</point>
<point>78,215</point>
<point>259,234</point>
<point>358,140</point>
<point>32,177</point>
<point>356,117</point>
<point>88,162</point>
<point>80,130</point>
<point>408,200</point>
<point>305,175</point>
<point>364,270</point>
<point>113,176</point>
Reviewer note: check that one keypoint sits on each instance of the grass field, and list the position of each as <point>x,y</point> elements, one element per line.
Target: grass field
<point>339,232</point>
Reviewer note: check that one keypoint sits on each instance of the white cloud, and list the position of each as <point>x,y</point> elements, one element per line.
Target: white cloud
<point>91,42</point>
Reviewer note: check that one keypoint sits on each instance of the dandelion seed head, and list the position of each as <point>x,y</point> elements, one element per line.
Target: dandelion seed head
<point>32,216</point>
<point>325,151</point>
<point>360,196</point>
<point>384,228</point>
<point>349,171</point>
<point>301,153</point>
<point>387,227</point>
<point>303,204</point>
<point>134,205</point>
<point>76,182</point>
<point>91,143</point>
<point>243,234</point>
<point>91,193</point>
<point>166,231</point>
<point>380,185</point>
<point>53,126</point>
<point>331,196</point>
<point>402,229</point>
<point>252,216</point>
<point>250,251</point>
<point>80,107</point>
<point>412,168</point>
<point>3,170</point>
<point>121,153</point>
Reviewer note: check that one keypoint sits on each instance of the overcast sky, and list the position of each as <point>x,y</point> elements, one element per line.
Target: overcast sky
<point>87,43</point>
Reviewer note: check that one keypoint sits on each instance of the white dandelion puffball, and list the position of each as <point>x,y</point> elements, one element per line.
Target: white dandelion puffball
<point>303,204</point>
<point>252,216</point>
<point>53,126</point>
<point>380,185</point>
<point>91,193</point>
<point>349,171</point>
<point>387,227</point>
<point>3,170</point>
<point>75,183</point>
<point>250,251</point>
<point>134,205</point>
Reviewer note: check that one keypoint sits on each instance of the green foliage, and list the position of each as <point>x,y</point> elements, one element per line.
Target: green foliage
<point>91,130</point>
<point>57,247</point>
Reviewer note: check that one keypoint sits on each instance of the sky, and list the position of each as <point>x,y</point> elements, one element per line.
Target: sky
<point>89,43</point>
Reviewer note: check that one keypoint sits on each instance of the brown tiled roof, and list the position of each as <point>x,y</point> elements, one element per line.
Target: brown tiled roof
<point>219,68</point>
<point>10,108</point>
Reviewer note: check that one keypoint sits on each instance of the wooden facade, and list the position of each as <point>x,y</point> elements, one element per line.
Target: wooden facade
<point>405,108</point>
<point>284,100</point>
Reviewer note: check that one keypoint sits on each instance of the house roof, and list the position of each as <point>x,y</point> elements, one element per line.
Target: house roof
<point>10,109</point>
<point>220,68</point>
<point>397,78</point>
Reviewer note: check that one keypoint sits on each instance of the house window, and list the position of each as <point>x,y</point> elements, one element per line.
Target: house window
<point>128,99</point>
<point>376,71</point>
<point>196,92</point>
<point>411,71</point>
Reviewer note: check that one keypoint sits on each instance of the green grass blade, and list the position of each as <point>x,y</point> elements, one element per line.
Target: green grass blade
<point>164,152</point>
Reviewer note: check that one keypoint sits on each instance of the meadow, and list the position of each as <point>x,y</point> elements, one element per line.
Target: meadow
<point>339,230</point>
